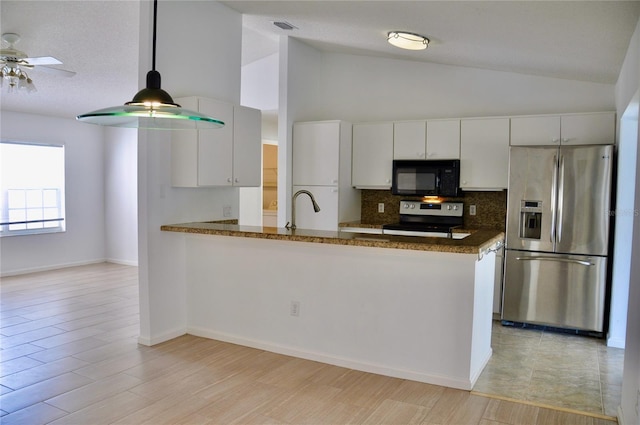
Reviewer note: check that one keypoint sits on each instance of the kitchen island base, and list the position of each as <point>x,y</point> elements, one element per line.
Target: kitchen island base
<point>417,315</point>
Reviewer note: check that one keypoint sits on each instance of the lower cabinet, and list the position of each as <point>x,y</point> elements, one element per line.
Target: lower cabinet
<point>327,198</point>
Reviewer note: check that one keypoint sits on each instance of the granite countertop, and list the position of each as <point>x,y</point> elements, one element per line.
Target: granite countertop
<point>476,243</point>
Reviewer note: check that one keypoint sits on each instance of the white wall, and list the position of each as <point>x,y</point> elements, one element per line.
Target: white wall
<point>260,84</point>
<point>362,88</point>
<point>627,88</point>
<point>259,89</point>
<point>300,99</point>
<point>212,33</point>
<point>84,239</point>
<point>121,195</point>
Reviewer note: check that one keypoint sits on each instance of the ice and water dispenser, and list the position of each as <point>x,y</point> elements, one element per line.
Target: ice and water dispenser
<point>530,219</point>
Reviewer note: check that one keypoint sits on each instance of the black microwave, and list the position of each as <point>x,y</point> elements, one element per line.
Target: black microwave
<point>426,177</point>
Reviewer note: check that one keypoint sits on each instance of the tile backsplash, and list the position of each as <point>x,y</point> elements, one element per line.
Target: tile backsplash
<point>491,208</point>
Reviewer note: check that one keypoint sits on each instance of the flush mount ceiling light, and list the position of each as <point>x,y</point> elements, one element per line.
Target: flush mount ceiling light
<point>151,107</point>
<point>407,40</point>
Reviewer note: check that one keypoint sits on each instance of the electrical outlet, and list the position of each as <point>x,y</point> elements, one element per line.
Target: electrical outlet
<point>380,207</point>
<point>295,308</point>
<point>472,210</point>
<point>226,211</point>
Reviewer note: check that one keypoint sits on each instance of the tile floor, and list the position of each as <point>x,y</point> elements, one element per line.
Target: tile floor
<point>547,368</point>
<point>68,355</point>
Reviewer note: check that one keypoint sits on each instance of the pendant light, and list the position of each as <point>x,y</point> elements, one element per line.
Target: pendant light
<point>151,107</point>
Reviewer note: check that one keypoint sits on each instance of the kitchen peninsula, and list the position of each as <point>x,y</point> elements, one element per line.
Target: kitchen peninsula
<point>410,307</point>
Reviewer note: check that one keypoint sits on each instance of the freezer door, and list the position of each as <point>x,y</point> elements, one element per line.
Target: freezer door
<point>584,187</point>
<point>533,179</point>
<point>555,290</point>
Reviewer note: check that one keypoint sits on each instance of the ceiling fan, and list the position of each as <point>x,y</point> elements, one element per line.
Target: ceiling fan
<point>14,62</point>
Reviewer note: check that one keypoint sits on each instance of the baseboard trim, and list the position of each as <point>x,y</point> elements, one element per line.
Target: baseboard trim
<point>50,267</point>
<point>334,360</point>
<point>122,262</point>
<point>620,416</point>
<point>547,406</point>
<point>158,339</point>
<point>475,377</point>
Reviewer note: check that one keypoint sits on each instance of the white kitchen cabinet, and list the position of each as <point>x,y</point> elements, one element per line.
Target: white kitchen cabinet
<point>570,129</point>
<point>484,153</point>
<point>316,152</point>
<point>228,156</point>
<point>538,130</point>
<point>372,155</point>
<point>327,218</point>
<point>409,140</point>
<point>247,146</point>
<point>588,129</point>
<point>443,139</point>
<point>433,139</point>
<point>322,165</point>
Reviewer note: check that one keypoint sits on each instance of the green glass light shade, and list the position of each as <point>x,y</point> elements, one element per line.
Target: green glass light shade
<point>151,108</point>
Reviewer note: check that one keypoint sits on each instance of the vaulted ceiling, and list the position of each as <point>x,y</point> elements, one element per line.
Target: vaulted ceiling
<point>581,40</point>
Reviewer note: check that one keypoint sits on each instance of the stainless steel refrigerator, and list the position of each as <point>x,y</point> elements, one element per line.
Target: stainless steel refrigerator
<point>557,236</point>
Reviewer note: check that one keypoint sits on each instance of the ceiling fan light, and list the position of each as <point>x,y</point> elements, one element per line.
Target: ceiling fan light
<point>407,40</point>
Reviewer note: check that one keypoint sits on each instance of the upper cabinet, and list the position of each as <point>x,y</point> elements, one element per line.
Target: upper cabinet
<point>484,153</point>
<point>588,129</point>
<point>571,129</point>
<point>543,130</point>
<point>372,155</point>
<point>229,156</point>
<point>410,140</point>
<point>443,139</point>
<point>247,146</point>
<point>433,139</point>
<point>316,152</point>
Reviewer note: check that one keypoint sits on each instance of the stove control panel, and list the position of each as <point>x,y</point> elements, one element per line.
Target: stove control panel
<point>448,209</point>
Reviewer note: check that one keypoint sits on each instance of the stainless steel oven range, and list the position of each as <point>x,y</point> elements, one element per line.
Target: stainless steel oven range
<point>423,218</point>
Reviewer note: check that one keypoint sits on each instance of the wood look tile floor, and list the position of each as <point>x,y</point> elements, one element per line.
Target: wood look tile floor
<point>69,356</point>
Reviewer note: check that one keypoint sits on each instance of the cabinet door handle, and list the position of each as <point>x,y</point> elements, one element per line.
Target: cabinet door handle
<point>334,181</point>
<point>229,180</point>
<point>235,180</point>
<point>554,140</point>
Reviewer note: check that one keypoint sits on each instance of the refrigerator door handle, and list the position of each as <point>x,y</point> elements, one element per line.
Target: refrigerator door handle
<point>554,191</point>
<point>561,260</point>
<point>560,199</point>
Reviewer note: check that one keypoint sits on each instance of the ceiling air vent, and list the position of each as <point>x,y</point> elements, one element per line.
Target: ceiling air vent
<point>284,25</point>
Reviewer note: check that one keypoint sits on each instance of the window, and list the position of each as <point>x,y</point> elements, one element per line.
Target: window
<point>31,188</point>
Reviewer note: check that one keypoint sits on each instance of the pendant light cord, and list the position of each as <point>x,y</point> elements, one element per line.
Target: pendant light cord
<point>155,21</point>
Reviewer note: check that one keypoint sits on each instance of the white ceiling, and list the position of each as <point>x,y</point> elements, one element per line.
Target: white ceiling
<point>582,40</point>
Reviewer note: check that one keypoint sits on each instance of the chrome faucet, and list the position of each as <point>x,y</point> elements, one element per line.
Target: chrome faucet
<point>316,207</point>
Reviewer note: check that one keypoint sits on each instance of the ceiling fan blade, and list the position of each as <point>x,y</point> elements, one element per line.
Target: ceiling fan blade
<point>42,60</point>
<point>57,71</point>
